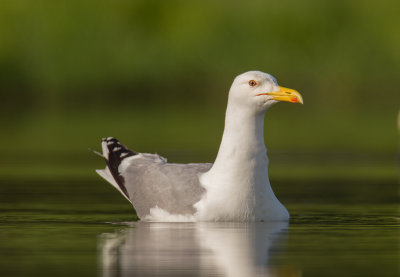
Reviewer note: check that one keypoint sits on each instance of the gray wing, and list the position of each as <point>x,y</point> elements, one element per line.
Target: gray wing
<point>151,181</point>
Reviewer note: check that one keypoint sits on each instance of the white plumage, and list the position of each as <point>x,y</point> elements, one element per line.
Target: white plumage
<point>235,188</point>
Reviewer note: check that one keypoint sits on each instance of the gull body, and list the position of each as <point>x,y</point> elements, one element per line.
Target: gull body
<point>235,188</point>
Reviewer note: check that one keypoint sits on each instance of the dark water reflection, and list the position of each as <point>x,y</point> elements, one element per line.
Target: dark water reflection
<point>191,249</point>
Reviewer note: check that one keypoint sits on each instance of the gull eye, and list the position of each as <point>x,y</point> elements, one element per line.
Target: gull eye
<point>252,83</point>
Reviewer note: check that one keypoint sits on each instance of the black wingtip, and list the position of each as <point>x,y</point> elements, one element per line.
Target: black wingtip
<point>117,152</point>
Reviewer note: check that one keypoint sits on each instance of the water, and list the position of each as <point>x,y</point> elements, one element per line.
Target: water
<point>319,241</point>
<point>59,225</point>
<point>338,248</point>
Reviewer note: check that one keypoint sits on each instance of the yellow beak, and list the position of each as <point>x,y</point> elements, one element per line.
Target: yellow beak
<point>285,94</point>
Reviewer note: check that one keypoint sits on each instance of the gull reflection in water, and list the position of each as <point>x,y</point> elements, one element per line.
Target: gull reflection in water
<point>191,249</point>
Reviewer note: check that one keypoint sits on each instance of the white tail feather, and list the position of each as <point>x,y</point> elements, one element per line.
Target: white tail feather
<point>106,174</point>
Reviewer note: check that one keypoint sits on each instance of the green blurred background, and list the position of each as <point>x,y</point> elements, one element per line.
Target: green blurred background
<point>155,74</point>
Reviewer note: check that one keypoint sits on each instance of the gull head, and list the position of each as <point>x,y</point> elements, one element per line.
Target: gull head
<point>258,91</point>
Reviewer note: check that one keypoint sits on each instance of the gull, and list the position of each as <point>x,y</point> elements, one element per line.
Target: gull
<point>235,187</point>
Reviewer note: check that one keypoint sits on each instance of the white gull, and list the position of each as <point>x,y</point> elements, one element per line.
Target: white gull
<point>235,188</point>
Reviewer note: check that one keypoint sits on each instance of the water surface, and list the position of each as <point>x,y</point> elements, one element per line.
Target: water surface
<point>80,226</point>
